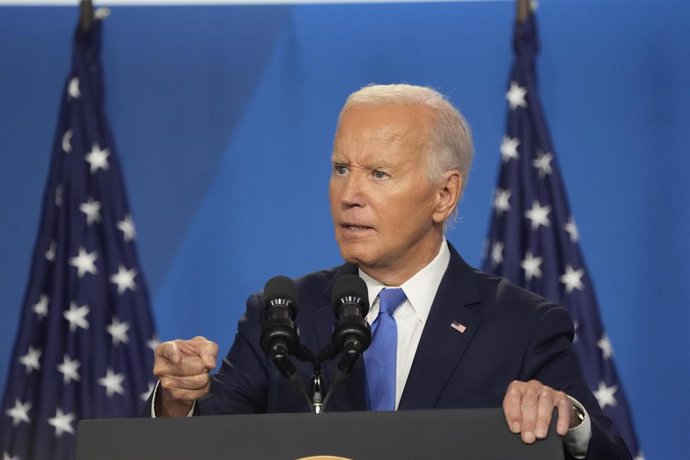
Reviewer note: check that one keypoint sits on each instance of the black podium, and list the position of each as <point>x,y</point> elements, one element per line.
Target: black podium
<point>477,434</point>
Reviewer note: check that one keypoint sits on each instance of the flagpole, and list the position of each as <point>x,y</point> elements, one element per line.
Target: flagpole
<point>86,14</point>
<point>524,10</point>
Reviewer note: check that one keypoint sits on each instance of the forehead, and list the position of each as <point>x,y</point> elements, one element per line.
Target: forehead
<point>380,126</point>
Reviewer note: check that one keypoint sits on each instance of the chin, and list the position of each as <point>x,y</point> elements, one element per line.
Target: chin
<point>354,254</point>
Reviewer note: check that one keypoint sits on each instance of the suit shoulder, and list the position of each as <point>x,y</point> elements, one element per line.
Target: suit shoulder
<point>317,280</point>
<point>505,295</point>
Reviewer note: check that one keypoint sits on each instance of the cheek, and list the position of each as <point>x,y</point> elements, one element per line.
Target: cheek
<point>332,196</point>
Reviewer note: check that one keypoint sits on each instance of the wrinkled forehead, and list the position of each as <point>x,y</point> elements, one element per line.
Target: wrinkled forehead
<point>393,124</point>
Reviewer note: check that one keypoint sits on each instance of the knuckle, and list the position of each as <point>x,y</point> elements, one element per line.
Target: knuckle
<point>515,388</point>
<point>162,349</point>
<point>167,383</point>
<point>532,392</point>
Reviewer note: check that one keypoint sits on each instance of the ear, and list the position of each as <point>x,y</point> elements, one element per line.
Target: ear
<point>447,195</point>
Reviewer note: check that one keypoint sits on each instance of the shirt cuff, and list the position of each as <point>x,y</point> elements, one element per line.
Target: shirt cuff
<point>153,402</point>
<point>576,440</point>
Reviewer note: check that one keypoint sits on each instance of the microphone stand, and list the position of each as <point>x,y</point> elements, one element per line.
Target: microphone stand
<point>317,402</point>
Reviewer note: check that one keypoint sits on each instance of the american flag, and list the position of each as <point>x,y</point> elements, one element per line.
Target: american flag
<point>83,349</point>
<point>533,239</point>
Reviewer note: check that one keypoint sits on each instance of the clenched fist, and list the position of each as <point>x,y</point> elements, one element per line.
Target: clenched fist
<point>182,367</point>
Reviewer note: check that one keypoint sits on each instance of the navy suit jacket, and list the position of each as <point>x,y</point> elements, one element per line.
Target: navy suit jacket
<point>511,334</point>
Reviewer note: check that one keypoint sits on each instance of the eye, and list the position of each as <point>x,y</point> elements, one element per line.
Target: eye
<point>378,174</point>
<point>339,169</point>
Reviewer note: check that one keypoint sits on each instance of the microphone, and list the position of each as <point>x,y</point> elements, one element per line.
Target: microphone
<point>279,337</point>
<point>352,334</point>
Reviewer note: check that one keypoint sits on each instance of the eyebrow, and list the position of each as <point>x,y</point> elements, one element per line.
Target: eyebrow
<point>335,159</point>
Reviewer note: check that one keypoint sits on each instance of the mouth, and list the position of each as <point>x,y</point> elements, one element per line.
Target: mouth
<point>354,227</point>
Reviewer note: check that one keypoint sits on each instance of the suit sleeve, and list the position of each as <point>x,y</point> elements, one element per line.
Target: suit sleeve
<point>241,384</point>
<point>551,359</point>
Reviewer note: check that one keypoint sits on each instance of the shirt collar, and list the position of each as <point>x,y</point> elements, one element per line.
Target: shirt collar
<point>420,289</point>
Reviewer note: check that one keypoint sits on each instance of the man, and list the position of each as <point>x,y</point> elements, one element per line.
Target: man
<point>460,338</point>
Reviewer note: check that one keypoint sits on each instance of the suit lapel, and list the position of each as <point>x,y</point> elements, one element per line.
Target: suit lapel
<point>441,346</point>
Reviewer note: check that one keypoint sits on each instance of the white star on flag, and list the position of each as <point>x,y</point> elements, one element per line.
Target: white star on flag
<point>516,96</point>
<point>605,344</point>
<point>112,383</point>
<point>571,228</point>
<point>30,359</point>
<point>538,215</point>
<point>97,158</point>
<point>543,164</point>
<point>153,343</point>
<point>69,369</point>
<point>124,279</point>
<point>509,148</point>
<point>50,253</point>
<point>76,316</point>
<point>62,422</point>
<point>6,456</point>
<point>20,412</point>
<point>67,141</point>
<point>572,279</point>
<point>73,88</point>
<point>606,395</point>
<point>497,253</point>
<point>126,225</point>
<point>502,201</point>
<point>118,331</point>
<point>639,456</point>
<point>532,266</point>
<point>92,209</point>
<point>84,262</point>
<point>145,395</point>
<point>41,307</point>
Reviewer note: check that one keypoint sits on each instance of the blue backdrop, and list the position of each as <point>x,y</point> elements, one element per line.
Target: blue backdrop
<point>223,116</point>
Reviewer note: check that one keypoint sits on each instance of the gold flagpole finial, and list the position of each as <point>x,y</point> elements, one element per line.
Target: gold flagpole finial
<point>524,10</point>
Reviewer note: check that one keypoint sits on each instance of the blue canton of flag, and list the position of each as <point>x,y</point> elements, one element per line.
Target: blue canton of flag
<point>83,349</point>
<point>533,239</point>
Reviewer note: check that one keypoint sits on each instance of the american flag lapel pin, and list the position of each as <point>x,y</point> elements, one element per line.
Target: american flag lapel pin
<point>458,327</point>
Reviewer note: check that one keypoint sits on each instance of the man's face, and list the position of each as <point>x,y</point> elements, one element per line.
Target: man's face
<point>384,207</point>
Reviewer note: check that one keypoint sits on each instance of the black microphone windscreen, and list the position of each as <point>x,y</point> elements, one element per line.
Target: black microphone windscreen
<point>280,286</point>
<point>351,286</point>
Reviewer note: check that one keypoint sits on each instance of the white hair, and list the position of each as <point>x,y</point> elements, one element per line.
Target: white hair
<point>450,138</point>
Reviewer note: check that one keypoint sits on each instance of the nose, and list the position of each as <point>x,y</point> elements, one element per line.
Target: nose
<point>352,192</point>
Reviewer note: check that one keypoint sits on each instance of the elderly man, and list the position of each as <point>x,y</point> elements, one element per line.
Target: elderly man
<point>460,338</point>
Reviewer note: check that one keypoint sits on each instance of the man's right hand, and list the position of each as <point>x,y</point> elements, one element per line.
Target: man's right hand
<point>182,367</point>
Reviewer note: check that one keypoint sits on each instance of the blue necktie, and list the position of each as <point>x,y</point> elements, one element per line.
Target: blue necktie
<point>380,358</point>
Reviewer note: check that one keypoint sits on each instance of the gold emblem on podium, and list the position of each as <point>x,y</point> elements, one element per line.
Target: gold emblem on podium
<point>324,457</point>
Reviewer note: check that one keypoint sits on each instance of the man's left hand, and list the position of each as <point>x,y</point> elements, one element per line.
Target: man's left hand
<point>528,407</point>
